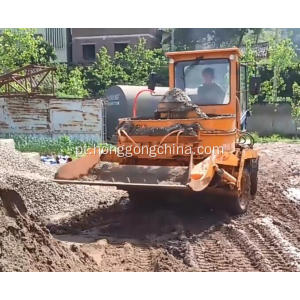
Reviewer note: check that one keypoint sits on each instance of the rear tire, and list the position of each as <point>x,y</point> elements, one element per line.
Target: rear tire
<point>240,200</point>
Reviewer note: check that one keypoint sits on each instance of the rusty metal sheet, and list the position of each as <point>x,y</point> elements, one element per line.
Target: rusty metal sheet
<point>23,115</point>
<point>75,116</point>
<point>52,117</point>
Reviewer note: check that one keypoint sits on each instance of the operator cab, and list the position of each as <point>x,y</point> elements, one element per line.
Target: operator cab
<point>205,81</point>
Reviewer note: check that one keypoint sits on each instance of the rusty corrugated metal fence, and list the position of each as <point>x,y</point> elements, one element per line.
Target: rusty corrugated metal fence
<point>82,119</point>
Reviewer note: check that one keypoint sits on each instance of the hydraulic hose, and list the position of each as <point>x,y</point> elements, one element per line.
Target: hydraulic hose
<point>136,100</point>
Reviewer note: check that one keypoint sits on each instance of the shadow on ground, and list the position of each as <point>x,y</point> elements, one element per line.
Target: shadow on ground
<point>143,222</point>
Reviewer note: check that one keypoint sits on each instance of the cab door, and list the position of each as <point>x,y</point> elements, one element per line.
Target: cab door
<point>243,94</point>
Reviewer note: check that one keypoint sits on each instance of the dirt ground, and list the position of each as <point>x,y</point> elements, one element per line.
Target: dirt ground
<point>187,236</point>
<point>169,236</point>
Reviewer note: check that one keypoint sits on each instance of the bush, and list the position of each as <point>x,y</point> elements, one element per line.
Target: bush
<point>103,73</point>
<point>273,138</point>
<point>70,82</point>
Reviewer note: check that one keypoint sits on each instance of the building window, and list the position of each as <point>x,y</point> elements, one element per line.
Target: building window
<point>88,52</point>
<point>120,47</point>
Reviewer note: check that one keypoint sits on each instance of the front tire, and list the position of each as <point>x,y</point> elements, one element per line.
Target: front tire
<point>240,200</point>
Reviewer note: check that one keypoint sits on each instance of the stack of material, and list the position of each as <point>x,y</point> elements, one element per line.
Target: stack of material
<point>25,244</point>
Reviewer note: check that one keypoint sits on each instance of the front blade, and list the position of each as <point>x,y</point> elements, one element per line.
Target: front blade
<point>77,168</point>
<point>140,174</point>
<point>134,176</point>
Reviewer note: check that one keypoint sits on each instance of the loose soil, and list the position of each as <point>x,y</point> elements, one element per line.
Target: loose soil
<point>100,229</point>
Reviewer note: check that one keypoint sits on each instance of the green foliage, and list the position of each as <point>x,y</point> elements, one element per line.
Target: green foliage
<point>70,82</point>
<point>281,54</point>
<point>103,73</point>
<point>19,47</point>
<point>267,88</point>
<point>281,57</point>
<point>138,62</point>
<point>249,58</point>
<point>132,67</point>
<point>46,52</point>
<point>273,138</point>
<point>276,69</point>
<point>295,102</point>
<point>47,146</point>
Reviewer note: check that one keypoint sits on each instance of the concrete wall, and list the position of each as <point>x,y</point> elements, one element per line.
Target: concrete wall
<point>82,119</point>
<point>268,119</point>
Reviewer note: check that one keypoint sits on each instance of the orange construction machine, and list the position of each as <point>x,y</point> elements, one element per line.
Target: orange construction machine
<point>195,142</point>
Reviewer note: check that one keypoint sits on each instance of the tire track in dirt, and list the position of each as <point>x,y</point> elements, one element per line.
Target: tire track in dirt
<point>182,237</point>
<point>254,254</point>
<point>289,252</point>
<point>217,252</point>
<point>274,257</point>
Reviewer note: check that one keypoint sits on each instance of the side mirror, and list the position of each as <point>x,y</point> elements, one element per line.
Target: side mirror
<point>254,85</point>
<point>153,80</point>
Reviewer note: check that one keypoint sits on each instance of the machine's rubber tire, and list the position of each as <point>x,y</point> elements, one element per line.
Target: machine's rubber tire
<point>240,200</point>
<point>253,176</point>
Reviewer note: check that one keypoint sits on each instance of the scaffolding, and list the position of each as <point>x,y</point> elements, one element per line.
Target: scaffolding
<point>28,81</point>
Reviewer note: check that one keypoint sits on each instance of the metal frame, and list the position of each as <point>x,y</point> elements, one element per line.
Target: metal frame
<point>27,81</point>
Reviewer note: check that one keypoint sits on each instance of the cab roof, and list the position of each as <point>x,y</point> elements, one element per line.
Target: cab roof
<point>208,53</point>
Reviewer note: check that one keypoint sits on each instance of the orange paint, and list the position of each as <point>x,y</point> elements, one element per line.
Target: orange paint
<point>221,130</point>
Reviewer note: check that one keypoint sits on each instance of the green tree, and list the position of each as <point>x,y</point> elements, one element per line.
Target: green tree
<point>103,73</point>
<point>249,57</point>
<point>70,82</point>
<point>281,57</point>
<point>19,47</point>
<point>46,52</point>
<point>138,62</point>
<point>295,102</point>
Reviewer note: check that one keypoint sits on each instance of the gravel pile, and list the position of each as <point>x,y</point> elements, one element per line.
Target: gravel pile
<point>44,198</point>
<point>27,246</point>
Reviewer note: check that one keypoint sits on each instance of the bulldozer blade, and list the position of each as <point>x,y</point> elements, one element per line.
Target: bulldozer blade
<point>137,177</point>
<point>195,178</point>
<point>77,168</point>
<point>125,185</point>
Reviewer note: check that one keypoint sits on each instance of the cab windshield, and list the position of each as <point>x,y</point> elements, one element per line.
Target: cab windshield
<point>207,82</point>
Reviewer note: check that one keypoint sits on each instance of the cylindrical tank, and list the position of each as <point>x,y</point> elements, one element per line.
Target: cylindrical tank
<point>120,103</point>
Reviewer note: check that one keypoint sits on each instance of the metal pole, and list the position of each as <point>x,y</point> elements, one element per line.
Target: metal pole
<point>172,39</point>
